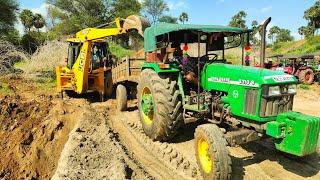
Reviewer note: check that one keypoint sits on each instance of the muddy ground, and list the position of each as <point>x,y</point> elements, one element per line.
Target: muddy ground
<point>43,137</point>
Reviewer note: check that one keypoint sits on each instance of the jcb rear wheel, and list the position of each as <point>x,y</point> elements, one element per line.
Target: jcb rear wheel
<point>108,88</point>
<point>159,105</point>
<point>212,153</point>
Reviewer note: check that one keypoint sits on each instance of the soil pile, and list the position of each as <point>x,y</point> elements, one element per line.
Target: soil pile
<point>9,55</point>
<point>33,133</point>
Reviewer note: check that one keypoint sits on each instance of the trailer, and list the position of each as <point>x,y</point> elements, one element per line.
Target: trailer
<point>125,77</point>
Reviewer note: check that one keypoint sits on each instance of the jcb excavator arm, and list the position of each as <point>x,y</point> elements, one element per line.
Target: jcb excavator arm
<point>123,26</point>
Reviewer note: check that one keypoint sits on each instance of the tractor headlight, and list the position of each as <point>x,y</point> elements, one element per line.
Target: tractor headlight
<point>274,91</point>
<point>292,89</point>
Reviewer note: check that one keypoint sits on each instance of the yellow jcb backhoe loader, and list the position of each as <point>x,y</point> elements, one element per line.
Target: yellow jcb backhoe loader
<point>89,60</point>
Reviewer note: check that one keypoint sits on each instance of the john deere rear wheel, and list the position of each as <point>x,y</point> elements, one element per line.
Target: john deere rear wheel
<point>159,105</point>
<point>212,153</point>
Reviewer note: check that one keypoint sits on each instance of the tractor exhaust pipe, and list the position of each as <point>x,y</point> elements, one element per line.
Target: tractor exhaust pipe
<point>263,32</point>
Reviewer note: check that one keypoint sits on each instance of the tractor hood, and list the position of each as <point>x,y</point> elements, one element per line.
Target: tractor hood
<point>226,75</point>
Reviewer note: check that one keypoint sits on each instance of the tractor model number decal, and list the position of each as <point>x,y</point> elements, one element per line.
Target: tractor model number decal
<point>81,61</point>
<point>247,82</point>
<point>241,82</point>
<point>280,78</point>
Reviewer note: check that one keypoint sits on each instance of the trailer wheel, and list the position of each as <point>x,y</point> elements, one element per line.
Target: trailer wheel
<point>159,106</point>
<point>108,88</point>
<point>306,76</point>
<point>121,96</point>
<point>212,153</point>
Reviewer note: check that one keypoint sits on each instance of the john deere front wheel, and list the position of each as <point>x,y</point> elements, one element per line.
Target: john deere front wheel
<point>212,153</point>
<point>159,105</point>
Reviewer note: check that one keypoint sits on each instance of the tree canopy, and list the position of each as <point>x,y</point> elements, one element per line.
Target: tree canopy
<point>154,9</point>
<point>183,17</point>
<point>238,20</point>
<point>312,15</point>
<point>277,34</point>
<point>168,19</point>
<point>74,15</point>
<point>8,16</point>
<point>124,8</point>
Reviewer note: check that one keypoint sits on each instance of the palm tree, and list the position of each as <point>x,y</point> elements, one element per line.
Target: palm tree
<point>38,21</point>
<point>26,17</point>
<point>183,17</point>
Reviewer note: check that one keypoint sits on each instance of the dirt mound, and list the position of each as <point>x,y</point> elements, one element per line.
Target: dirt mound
<point>9,55</point>
<point>92,151</point>
<point>14,112</point>
<point>33,133</point>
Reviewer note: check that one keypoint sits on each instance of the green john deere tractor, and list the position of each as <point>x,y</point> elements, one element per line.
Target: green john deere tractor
<point>187,78</point>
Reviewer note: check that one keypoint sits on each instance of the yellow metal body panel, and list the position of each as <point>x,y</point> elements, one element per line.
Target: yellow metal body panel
<point>79,79</point>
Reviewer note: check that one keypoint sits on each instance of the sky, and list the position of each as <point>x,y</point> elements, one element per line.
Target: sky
<point>285,13</point>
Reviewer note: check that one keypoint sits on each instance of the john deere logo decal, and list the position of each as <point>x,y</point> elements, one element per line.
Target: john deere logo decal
<point>235,94</point>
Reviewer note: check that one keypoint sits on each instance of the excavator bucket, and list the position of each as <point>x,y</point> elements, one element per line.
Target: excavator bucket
<point>135,22</point>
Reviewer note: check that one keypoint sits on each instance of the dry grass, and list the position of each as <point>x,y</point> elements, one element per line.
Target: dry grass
<point>46,58</point>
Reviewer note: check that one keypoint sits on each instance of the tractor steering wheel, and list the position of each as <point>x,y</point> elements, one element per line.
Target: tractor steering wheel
<point>215,56</point>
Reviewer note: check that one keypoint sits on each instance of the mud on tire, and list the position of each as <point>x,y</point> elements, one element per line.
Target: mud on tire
<point>167,112</point>
<point>121,96</point>
<point>306,76</point>
<point>216,164</point>
<point>108,88</point>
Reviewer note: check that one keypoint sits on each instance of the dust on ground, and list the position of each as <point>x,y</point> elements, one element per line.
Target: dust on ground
<point>308,100</point>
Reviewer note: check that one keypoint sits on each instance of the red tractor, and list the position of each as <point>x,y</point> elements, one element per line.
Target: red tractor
<point>299,66</point>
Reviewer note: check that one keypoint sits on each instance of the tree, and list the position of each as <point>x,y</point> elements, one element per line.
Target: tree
<point>154,8</point>
<point>8,16</point>
<point>38,21</point>
<point>238,20</point>
<point>75,15</point>
<point>183,17</point>
<point>254,24</point>
<point>55,15</point>
<point>124,8</point>
<point>313,16</point>
<point>168,19</point>
<point>26,17</point>
<point>306,31</point>
<point>284,36</point>
<point>255,28</point>
<point>274,30</point>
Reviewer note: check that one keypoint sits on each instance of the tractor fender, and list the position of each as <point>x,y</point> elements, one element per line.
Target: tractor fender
<point>158,69</point>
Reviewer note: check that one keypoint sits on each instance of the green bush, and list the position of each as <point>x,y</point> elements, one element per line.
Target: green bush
<point>119,51</point>
<point>32,40</point>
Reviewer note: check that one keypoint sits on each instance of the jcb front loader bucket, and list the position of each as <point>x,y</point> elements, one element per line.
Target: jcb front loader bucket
<point>135,22</point>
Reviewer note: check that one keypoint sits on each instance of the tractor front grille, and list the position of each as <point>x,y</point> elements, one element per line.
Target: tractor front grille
<point>272,106</point>
<point>250,102</point>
